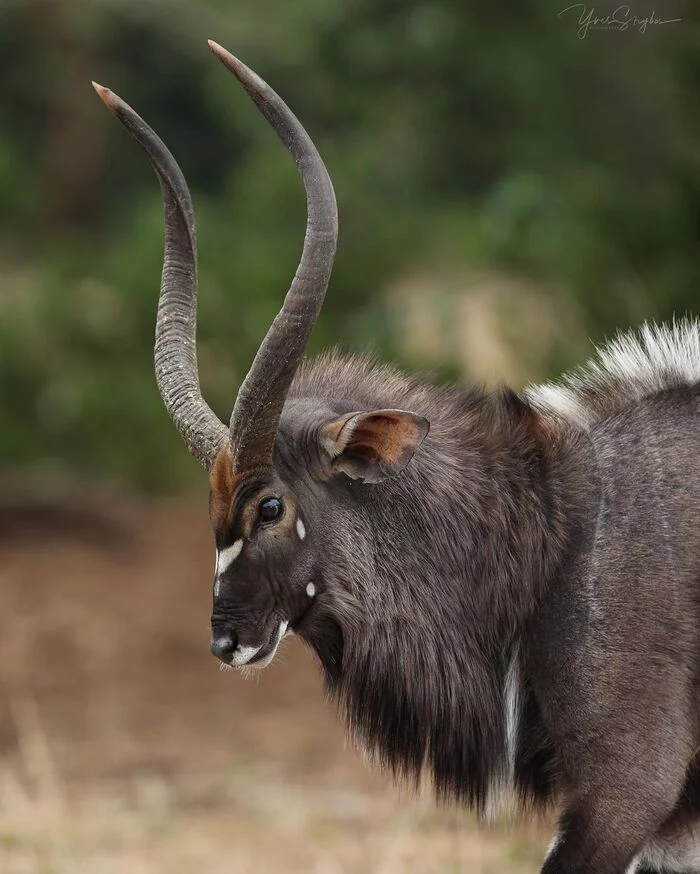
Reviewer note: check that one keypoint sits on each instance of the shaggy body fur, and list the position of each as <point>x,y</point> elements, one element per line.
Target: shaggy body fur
<point>521,605</point>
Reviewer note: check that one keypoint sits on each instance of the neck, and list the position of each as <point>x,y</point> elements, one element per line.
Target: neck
<point>452,559</point>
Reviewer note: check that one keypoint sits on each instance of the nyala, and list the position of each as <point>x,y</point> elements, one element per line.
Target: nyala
<point>502,588</point>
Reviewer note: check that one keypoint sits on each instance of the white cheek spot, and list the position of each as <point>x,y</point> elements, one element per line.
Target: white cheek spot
<point>301,531</point>
<point>217,587</point>
<point>226,557</point>
<point>310,590</point>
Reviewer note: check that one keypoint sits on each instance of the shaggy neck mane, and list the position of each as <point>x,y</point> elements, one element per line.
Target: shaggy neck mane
<point>422,647</point>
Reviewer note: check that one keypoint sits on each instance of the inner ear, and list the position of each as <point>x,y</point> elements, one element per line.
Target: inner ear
<point>222,486</point>
<point>373,444</point>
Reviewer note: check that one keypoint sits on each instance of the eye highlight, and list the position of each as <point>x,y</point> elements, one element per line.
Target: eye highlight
<point>269,510</point>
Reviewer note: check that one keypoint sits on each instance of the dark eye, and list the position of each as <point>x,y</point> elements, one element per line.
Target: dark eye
<point>270,509</point>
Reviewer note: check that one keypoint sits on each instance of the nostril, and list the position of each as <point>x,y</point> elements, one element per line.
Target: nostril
<point>223,646</point>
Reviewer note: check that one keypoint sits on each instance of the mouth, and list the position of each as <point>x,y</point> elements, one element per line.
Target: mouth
<point>261,656</point>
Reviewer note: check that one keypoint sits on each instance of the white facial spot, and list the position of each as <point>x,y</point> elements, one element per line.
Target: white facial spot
<point>310,590</point>
<point>263,663</point>
<point>226,557</point>
<point>243,655</point>
<point>217,587</point>
<point>301,531</point>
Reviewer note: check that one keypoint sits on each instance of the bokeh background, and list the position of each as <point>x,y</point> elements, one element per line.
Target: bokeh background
<point>508,192</point>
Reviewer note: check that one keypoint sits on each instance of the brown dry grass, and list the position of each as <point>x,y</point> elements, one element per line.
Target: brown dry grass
<point>124,749</point>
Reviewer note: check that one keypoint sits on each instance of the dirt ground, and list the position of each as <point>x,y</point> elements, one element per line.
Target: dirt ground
<point>125,749</point>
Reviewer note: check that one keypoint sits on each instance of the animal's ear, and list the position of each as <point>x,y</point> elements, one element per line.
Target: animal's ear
<point>373,444</point>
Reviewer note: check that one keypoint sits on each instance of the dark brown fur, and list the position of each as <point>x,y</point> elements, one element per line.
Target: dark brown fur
<point>515,541</point>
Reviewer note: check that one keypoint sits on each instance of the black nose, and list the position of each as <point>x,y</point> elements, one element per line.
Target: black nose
<point>223,646</point>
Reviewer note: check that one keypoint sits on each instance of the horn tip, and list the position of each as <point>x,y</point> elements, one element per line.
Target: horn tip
<point>247,77</point>
<point>220,52</point>
<point>109,98</point>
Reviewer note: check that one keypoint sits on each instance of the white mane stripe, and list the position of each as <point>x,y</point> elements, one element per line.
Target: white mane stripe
<point>512,713</point>
<point>629,368</point>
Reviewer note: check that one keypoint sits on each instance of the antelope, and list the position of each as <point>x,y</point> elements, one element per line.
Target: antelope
<point>502,588</point>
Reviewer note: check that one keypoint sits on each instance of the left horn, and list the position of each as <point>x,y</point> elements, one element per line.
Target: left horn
<point>175,355</point>
<point>260,400</point>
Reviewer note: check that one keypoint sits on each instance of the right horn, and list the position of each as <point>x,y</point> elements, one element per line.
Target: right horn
<point>260,400</point>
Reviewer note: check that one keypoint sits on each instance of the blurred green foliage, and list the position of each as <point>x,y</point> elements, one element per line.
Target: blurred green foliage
<point>485,135</point>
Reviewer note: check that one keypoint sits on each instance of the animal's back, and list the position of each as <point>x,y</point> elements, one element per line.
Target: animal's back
<point>627,611</point>
<point>638,402</point>
<point>646,559</point>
